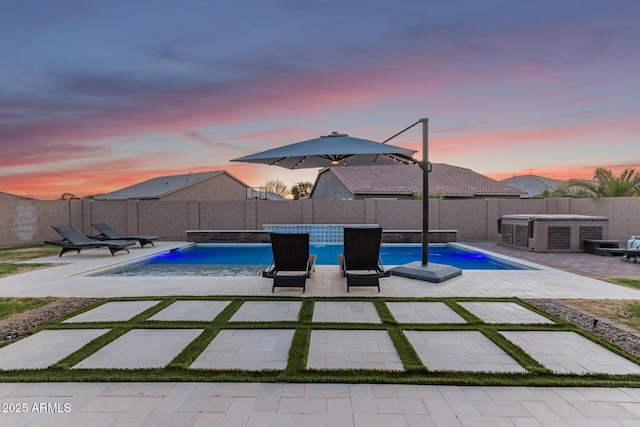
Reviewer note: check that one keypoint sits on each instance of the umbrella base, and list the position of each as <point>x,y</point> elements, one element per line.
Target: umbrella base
<point>435,273</point>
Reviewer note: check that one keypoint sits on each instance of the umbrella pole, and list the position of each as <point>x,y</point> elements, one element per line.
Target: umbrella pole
<point>421,270</point>
<point>425,191</point>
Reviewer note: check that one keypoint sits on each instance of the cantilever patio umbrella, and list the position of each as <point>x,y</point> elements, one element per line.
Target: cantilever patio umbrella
<point>343,150</point>
<point>335,149</point>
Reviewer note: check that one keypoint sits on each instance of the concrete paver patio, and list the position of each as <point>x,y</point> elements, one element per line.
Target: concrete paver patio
<point>256,349</point>
<point>114,311</point>
<point>251,349</point>
<point>141,348</point>
<point>314,404</point>
<point>568,352</point>
<point>202,311</point>
<point>45,348</point>
<point>267,311</point>
<point>461,351</point>
<point>345,349</point>
<point>345,312</point>
<point>503,312</point>
<point>423,312</point>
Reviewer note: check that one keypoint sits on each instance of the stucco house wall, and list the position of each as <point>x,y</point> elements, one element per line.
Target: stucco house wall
<point>329,187</point>
<point>219,187</point>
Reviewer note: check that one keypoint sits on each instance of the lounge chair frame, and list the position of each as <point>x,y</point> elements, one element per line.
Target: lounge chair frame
<point>631,255</point>
<point>109,233</point>
<point>74,240</point>
<point>292,264</point>
<point>362,253</point>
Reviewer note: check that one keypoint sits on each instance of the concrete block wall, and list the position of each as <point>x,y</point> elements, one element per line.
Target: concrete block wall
<point>193,215</point>
<point>339,212</point>
<point>228,215</point>
<point>50,213</point>
<point>307,211</point>
<point>133,226</point>
<point>469,217</point>
<point>559,205</point>
<point>166,219</point>
<point>19,221</point>
<point>623,213</point>
<point>523,206</point>
<point>401,214</point>
<point>115,213</point>
<point>277,212</point>
<point>29,221</point>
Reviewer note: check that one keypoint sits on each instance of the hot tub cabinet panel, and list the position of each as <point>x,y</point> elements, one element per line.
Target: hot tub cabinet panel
<point>551,233</point>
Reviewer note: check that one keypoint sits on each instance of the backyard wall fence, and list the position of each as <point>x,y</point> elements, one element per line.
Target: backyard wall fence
<point>29,221</point>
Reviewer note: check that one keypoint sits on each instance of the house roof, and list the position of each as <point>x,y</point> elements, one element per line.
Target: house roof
<point>9,196</point>
<point>270,195</point>
<point>156,188</point>
<point>532,185</point>
<point>445,180</point>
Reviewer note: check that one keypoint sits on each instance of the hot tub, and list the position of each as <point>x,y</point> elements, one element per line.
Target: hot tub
<point>551,233</point>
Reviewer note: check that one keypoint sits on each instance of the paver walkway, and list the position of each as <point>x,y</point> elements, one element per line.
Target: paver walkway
<point>257,349</point>
<point>331,405</point>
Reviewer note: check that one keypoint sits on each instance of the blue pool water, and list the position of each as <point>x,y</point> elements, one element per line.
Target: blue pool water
<point>233,259</point>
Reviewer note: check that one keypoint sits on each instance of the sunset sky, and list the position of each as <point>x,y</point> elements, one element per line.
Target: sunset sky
<point>98,95</point>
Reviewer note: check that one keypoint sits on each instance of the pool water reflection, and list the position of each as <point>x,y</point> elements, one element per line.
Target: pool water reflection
<point>239,259</point>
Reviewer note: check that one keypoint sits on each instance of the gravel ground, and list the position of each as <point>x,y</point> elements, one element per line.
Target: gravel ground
<point>19,324</point>
<point>619,335</point>
<point>623,337</point>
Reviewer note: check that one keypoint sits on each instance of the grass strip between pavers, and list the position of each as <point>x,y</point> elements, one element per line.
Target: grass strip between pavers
<point>296,370</point>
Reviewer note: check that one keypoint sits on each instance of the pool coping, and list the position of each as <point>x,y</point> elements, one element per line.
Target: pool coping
<point>507,259</point>
<point>66,280</point>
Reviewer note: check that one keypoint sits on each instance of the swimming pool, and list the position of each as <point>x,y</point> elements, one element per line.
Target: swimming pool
<point>242,259</point>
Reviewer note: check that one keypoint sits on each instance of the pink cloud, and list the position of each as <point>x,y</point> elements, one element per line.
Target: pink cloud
<point>564,174</point>
<point>183,111</point>
<point>99,177</point>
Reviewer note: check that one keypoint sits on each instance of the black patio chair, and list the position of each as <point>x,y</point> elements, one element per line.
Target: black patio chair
<point>361,263</point>
<point>292,264</point>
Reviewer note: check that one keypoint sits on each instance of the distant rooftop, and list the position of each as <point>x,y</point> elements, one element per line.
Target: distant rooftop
<point>445,180</point>
<point>9,196</point>
<point>532,185</point>
<point>156,188</point>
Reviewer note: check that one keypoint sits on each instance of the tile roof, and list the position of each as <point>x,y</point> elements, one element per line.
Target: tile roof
<point>532,185</point>
<point>445,180</point>
<point>158,187</point>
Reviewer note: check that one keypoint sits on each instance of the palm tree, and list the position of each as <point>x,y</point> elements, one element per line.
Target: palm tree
<point>563,191</point>
<point>626,185</point>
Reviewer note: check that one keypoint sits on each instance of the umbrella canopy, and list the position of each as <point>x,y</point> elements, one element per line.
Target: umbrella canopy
<point>332,150</point>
